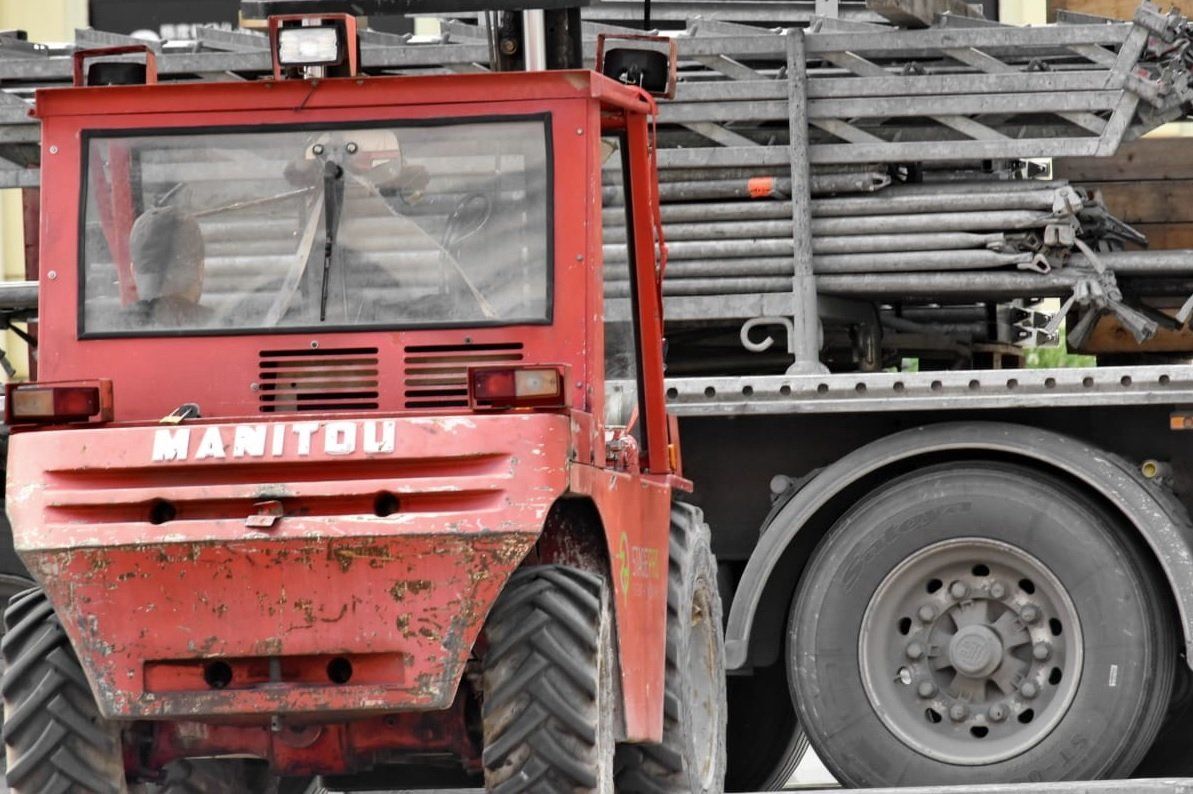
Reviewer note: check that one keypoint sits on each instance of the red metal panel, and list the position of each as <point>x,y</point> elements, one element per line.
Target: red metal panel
<point>635,511</point>
<point>649,274</point>
<point>301,95</point>
<point>329,578</point>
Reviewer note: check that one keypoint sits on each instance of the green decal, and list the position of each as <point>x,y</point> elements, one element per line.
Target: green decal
<point>623,558</point>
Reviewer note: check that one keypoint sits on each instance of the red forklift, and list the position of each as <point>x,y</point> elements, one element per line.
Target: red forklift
<point>333,466</point>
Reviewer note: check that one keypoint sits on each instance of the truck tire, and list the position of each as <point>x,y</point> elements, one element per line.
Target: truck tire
<point>979,622</point>
<point>691,758</point>
<point>766,741</point>
<point>54,736</point>
<point>548,684</point>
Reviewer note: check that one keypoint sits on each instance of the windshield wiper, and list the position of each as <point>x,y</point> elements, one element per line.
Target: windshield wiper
<point>333,203</point>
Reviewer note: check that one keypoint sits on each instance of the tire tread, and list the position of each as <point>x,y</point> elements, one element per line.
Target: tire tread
<point>661,768</point>
<point>542,682</point>
<point>55,738</point>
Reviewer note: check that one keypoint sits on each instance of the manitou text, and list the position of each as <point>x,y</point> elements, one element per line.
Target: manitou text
<point>273,440</point>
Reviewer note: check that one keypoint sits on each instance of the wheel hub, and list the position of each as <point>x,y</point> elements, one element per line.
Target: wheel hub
<point>970,651</point>
<point>975,651</point>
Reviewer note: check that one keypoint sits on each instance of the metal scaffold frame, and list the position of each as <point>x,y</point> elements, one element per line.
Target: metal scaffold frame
<point>870,89</point>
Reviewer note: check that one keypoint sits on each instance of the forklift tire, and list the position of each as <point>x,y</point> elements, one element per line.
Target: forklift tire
<point>11,585</point>
<point>978,622</point>
<point>548,684</point>
<point>54,736</point>
<point>691,759</point>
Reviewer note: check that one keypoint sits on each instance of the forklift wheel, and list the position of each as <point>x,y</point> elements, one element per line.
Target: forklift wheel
<point>548,684</point>
<point>691,757</point>
<point>10,585</point>
<point>54,736</point>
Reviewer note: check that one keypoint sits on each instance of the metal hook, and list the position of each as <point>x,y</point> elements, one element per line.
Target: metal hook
<point>765,344</point>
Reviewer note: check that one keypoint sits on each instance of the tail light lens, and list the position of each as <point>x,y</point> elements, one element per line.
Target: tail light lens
<point>516,387</point>
<point>57,403</point>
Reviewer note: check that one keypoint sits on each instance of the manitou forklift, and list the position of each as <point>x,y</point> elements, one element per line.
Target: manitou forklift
<point>326,472</point>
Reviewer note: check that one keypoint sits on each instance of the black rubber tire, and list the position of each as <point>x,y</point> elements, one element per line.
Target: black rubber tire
<point>548,684</point>
<point>1110,723</point>
<point>766,741</point>
<point>11,585</point>
<point>678,765</point>
<point>1169,754</point>
<point>54,736</point>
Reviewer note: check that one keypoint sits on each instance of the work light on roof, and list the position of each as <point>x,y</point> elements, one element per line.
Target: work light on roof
<point>307,46</point>
<point>304,44</point>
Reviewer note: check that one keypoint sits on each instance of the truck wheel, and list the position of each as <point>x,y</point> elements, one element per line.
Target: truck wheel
<point>548,684</point>
<point>976,623</point>
<point>691,757</point>
<point>54,736</point>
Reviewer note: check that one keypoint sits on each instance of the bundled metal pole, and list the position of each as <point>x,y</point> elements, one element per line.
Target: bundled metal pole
<point>913,286</point>
<point>1142,263</point>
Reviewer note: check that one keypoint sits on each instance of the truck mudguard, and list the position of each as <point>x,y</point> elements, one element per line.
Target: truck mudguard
<point>756,622</point>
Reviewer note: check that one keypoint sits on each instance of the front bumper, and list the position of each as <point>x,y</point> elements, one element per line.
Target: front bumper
<point>366,595</point>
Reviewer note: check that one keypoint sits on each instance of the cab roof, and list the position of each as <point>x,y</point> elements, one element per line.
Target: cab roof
<point>345,92</point>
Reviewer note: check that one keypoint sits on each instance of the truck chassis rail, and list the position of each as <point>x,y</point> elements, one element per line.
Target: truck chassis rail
<point>937,390</point>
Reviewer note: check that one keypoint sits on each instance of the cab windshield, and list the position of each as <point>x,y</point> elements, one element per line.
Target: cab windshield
<point>384,226</point>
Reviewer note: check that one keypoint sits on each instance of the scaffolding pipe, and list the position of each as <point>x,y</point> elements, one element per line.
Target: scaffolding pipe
<point>896,287</point>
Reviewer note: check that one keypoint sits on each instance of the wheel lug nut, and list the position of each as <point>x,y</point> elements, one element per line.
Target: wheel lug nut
<point>927,613</point>
<point>958,590</point>
<point>915,650</point>
<point>926,689</point>
<point>997,713</point>
<point>1028,689</point>
<point>998,590</point>
<point>1041,651</point>
<point>1029,614</point>
<point>958,712</point>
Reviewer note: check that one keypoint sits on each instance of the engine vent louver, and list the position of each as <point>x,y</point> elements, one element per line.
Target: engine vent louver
<point>332,379</point>
<point>437,375</point>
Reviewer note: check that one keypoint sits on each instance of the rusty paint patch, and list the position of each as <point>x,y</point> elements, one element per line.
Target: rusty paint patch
<point>412,586</point>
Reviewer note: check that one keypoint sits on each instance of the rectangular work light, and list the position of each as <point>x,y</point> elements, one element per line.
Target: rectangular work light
<point>307,46</point>
<point>297,41</point>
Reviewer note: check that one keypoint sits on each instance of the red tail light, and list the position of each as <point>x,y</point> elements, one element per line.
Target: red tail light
<point>57,403</point>
<point>516,387</point>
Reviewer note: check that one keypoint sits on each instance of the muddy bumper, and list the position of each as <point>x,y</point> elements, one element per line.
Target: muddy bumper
<point>339,567</point>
